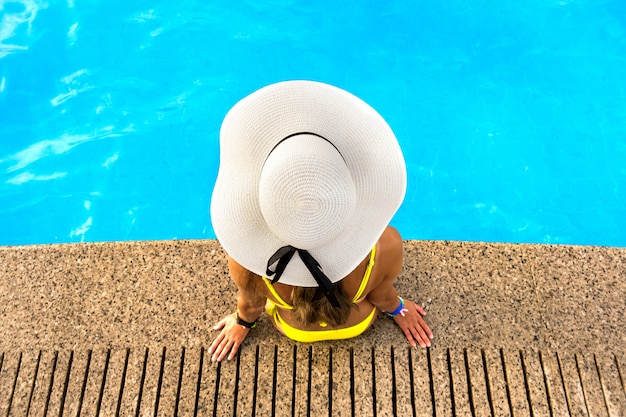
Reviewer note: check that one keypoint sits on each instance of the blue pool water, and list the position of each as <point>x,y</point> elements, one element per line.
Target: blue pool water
<point>511,114</point>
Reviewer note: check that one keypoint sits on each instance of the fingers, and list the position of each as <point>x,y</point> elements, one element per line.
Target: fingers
<point>227,343</point>
<point>226,347</point>
<point>409,337</point>
<point>429,332</point>
<point>420,334</point>
<point>416,335</point>
<point>414,327</point>
<point>223,346</point>
<point>216,342</point>
<point>423,327</point>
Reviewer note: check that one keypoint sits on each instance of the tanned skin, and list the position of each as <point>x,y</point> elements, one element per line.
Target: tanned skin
<point>379,292</point>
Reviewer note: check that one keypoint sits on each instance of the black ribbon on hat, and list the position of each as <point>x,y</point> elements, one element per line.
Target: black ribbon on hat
<point>281,258</point>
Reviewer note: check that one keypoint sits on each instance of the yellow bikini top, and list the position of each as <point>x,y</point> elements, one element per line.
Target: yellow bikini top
<point>366,277</point>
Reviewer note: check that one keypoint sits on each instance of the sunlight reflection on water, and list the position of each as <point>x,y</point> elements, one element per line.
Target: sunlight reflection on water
<point>510,114</point>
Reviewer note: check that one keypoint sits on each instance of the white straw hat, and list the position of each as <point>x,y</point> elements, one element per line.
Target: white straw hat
<point>307,166</point>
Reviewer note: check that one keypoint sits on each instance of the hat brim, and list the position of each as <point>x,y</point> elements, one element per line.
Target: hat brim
<point>256,124</point>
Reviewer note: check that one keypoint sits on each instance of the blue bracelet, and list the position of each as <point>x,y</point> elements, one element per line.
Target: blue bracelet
<point>398,310</point>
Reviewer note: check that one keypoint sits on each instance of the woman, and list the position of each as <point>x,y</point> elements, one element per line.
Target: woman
<point>309,178</point>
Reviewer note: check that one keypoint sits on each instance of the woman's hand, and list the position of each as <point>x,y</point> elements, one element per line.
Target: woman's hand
<point>229,339</point>
<point>413,325</point>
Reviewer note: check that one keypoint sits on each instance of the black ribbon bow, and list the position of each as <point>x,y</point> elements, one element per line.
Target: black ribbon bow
<point>281,258</point>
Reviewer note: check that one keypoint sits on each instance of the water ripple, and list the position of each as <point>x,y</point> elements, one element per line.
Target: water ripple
<point>25,177</point>
<point>82,229</point>
<point>15,20</point>
<point>58,146</point>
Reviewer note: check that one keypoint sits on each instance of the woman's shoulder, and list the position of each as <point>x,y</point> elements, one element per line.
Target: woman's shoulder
<point>390,247</point>
<point>388,260</point>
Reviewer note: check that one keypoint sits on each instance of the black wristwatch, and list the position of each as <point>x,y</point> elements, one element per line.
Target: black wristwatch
<point>246,324</point>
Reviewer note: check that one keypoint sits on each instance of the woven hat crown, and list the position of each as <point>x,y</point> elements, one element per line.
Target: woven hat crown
<point>306,191</point>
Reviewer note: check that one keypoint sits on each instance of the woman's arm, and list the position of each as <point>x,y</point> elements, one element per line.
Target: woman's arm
<point>385,297</point>
<point>250,304</point>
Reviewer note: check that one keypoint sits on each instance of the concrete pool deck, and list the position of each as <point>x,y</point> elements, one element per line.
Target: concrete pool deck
<point>122,328</point>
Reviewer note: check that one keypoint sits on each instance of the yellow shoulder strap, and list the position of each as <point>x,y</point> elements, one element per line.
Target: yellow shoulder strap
<point>366,276</point>
<point>279,301</point>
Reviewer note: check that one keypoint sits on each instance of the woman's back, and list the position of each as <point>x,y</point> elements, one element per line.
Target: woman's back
<point>370,273</point>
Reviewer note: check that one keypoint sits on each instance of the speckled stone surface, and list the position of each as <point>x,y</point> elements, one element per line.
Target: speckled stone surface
<point>171,293</point>
<point>516,327</point>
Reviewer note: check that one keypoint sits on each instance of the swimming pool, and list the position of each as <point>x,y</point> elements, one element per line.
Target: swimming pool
<point>512,115</point>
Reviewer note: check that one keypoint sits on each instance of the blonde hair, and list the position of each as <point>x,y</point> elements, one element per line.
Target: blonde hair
<point>310,305</point>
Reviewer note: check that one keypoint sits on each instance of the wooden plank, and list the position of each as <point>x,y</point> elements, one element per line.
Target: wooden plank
<point>133,391</point>
<point>170,374</point>
<point>620,364</point>
<point>76,383</point>
<point>285,387</point>
<point>614,393</point>
<point>96,377</point>
<point>149,396</point>
<point>189,386</point>
<point>363,385</point>
<point>113,384</point>
<point>402,381</point>
<point>301,385</point>
<point>320,380</point>
<point>343,377</point>
<point>22,396</point>
<point>265,380</point>
<point>497,382</point>
<point>514,377</point>
<point>457,372</point>
<point>246,395</point>
<point>8,377</point>
<point>16,390</point>
<point>43,384</point>
<point>592,388</point>
<point>60,382</point>
<point>478,394</point>
<point>383,382</point>
<point>444,404</point>
<point>227,372</point>
<point>573,387</point>
<point>208,386</point>
<point>535,382</point>
<point>421,382</point>
<point>555,389</point>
